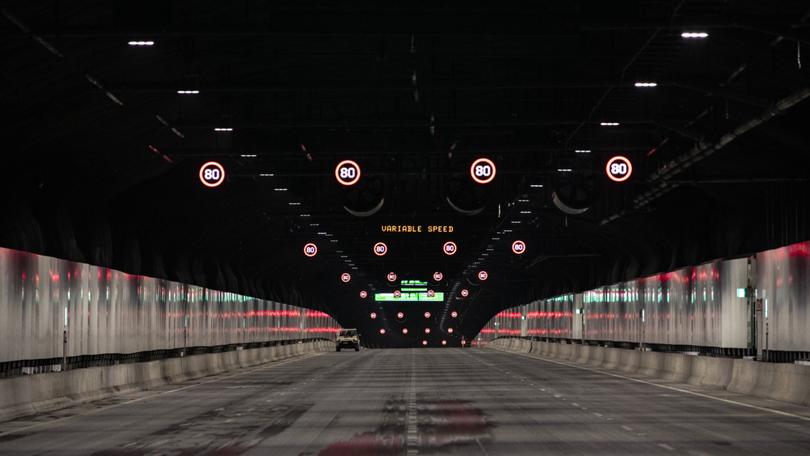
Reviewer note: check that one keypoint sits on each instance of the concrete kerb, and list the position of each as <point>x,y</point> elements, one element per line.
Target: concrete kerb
<point>782,382</point>
<point>37,393</point>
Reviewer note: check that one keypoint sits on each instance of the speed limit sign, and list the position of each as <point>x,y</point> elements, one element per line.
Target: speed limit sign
<point>310,249</point>
<point>437,276</point>
<point>482,170</point>
<point>380,249</point>
<point>392,277</point>
<point>397,293</point>
<point>449,248</point>
<point>518,247</point>
<point>619,169</point>
<point>431,293</point>
<point>212,174</point>
<point>465,292</point>
<point>483,275</point>
<point>347,173</point>
<point>363,294</point>
<point>345,277</point>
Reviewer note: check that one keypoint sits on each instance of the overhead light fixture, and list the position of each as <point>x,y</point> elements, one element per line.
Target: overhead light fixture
<point>305,215</point>
<point>646,84</point>
<point>694,35</point>
<point>496,239</point>
<point>333,241</point>
<point>248,155</point>
<point>294,203</point>
<point>536,185</point>
<point>523,200</point>
<point>515,222</point>
<point>188,92</point>
<point>609,124</point>
<point>581,151</point>
<point>321,233</point>
<point>525,212</point>
<point>564,170</point>
<point>507,231</point>
<point>266,175</point>
<point>141,43</point>
<point>223,128</point>
<point>280,189</point>
<point>314,224</point>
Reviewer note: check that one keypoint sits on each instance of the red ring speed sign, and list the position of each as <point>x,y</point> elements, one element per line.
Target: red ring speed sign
<point>518,247</point>
<point>465,292</point>
<point>454,314</point>
<point>347,173</point>
<point>392,277</point>
<point>345,277</point>
<point>482,170</point>
<point>373,315</point>
<point>483,275</point>
<point>212,174</point>
<point>310,249</point>
<point>397,293</point>
<point>431,293</point>
<point>380,249</point>
<point>619,168</point>
<point>363,294</point>
<point>449,248</point>
<point>437,276</point>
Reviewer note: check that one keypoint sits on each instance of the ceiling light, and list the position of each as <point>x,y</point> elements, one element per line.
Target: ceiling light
<point>223,128</point>
<point>305,215</point>
<point>507,231</point>
<point>646,84</point>
<point>525,212</point>
<point>564,170</point>
<point>321,233</point>
<point>294,203</point>
<point>188,92</point>
<point>523,200</point>
<point>141,43</point>
<point>248,155</point>
<point>496,239</point>
<point>333,240</point>
<point>314,224</point>
<point>536,185</point>
<point>609,124</point>
<point>694,35</point>
<point>583,151</point>
<point>266,174</point>
<point>280,189</point>
<point>515,222</point>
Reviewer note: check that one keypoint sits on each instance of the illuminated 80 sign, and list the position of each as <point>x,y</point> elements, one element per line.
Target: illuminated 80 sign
<point>347,173</point>
<point>212,174</point>
<point>619,169</point>
<point>482,170</point>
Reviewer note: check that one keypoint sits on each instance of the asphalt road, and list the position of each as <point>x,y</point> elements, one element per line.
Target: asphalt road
<point>420,401</point>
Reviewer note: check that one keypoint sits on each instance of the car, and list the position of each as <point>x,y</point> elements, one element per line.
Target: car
<point>347,338</point>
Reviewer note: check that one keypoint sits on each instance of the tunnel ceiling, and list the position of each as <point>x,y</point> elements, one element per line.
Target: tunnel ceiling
<point>101,153</point>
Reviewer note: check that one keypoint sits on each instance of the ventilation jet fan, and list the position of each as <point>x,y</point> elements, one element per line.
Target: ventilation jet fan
<point>462,194</point>
<point>366,198</point>
<point>574,188</point>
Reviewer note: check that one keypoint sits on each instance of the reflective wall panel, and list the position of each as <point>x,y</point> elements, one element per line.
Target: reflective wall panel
<point>108,311</point>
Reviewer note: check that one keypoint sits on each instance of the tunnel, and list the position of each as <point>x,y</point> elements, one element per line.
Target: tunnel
<point>400,228</point>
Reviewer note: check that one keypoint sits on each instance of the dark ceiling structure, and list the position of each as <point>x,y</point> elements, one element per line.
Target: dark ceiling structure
<point>110,109</point>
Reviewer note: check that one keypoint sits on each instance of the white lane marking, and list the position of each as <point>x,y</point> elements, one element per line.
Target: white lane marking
<point>598,414</point>
<point>627,428</point>
<point>672,388</point>
<point>216,380</point>
<point>575,404</point>
<point>666,447</point>
<point>412,439</point>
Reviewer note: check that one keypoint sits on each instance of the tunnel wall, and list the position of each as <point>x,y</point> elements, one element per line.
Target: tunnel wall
<point>696,306</point>
<point>107,311</point>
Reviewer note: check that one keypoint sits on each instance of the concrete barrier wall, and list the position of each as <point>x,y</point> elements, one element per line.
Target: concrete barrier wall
<point>782,382</point>
<point>30,394</point>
